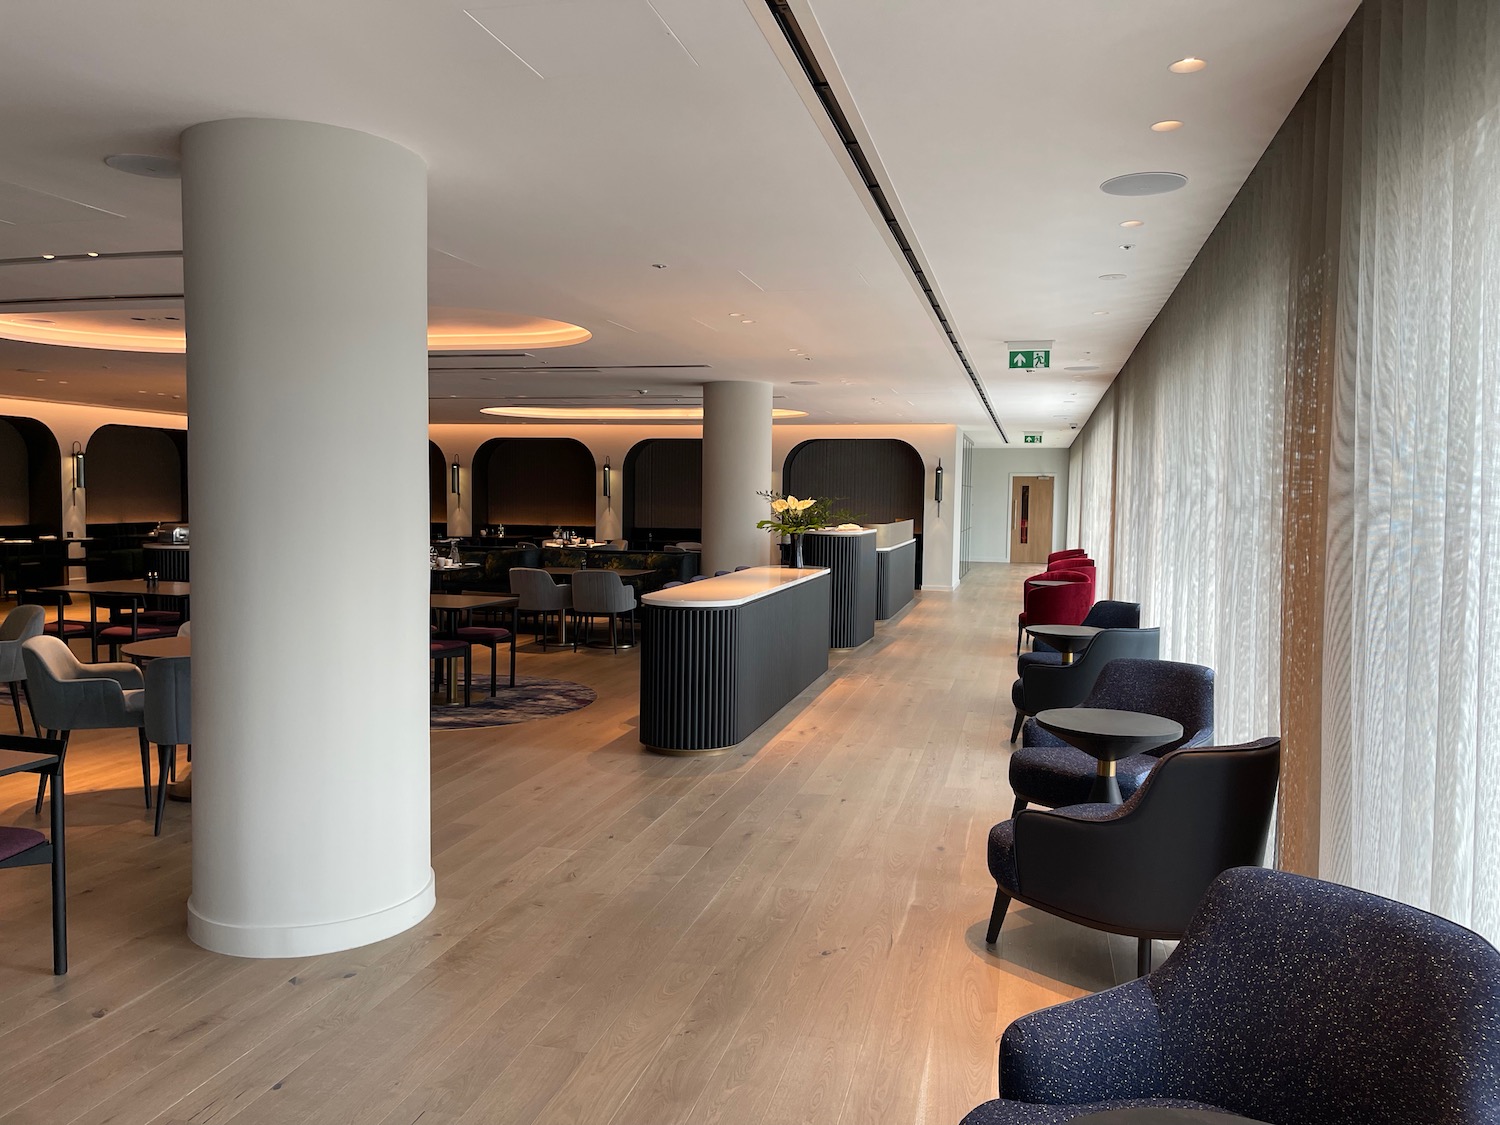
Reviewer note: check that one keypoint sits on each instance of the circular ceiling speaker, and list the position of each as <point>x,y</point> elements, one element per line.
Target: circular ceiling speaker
<point>138,164</point>
<point>1144,183</point>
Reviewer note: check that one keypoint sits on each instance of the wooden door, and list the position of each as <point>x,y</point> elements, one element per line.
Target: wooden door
<point>1030,519</point>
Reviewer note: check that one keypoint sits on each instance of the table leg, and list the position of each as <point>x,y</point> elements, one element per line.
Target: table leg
<point>1106,790</point>
<point>59,878</point>
<point>1067,657</point>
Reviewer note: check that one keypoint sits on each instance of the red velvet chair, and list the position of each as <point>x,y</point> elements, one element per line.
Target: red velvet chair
<point>1070,553</point>
<point>1067,604</point>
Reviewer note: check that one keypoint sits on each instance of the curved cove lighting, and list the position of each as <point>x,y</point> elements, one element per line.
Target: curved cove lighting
<point>161,330</point>
<point>616,413</point>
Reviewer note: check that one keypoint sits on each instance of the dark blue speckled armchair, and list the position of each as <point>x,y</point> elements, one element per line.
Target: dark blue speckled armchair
<point>1290,1001</point>
<point>1102,615</point>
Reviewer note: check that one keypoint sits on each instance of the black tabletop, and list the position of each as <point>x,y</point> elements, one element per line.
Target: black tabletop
<point>1109,734</point>
<point>18,761</point>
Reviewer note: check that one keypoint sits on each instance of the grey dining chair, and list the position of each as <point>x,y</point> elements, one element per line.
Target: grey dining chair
<point>540,596</point>
<point>168,718</point>
<point>690,546</point>
<point>600,593</point>
<point>185,629</point>
<point>67,695</point>
<point>19,626</point>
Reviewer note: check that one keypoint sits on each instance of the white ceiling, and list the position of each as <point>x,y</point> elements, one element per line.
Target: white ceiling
<point>574,143</point>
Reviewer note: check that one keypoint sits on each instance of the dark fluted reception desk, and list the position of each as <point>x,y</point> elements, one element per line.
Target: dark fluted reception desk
<point>850,555</point>
<point>721,656</point>
<point>895,568</point>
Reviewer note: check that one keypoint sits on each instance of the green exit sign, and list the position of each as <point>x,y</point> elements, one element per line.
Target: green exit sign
<point>1032,439</point>
<point>1026,360</point>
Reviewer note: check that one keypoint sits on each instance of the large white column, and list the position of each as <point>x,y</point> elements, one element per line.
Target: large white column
<point>305,251</point>
<point>736,464</point>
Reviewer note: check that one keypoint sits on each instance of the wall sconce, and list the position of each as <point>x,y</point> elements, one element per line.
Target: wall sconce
<point>606,478</point>
<point>78,478</point>
<point>455,475</point>
<point>937,488</point>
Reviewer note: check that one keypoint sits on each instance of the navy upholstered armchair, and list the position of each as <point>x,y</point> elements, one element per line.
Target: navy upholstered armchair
<point>1047,771</point>
<point>1141,868</point>
<point>1041,687</point>
<point>1101,615</point>
<point>1290,1001</point>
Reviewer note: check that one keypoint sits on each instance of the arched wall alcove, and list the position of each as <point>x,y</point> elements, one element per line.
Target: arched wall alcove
<point>30,506</point>
<point>877,480</point>
<point>136,478</point>
<point>136,475</point>
<point>533,486</point>
<point>30,479</point>
<point>437,491</point>
<point>663,492</point>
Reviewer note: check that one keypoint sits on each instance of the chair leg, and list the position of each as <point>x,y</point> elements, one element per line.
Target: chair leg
<point>997,916</point>
<point>494,667</point>
<point>30,708</point>
<point>41,785</point>
<point>614,640</point>
<point>1143,957</point>
<point>166,762</point>
<point>512,658</point>
<point>1018,640</point>
<point>15,698</point>
<point>1020,807</point>
<point>145,764</point>
<point>1015,731</point>
<point>59,880</point>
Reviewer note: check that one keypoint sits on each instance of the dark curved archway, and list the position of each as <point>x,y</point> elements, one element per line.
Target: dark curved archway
<point>30,479</point>
<point>30,506</point>
<point>534,485</point>
<point>663,492</point>
<point>877,480</point>
<point>137,478</point>
<point>437,491</point>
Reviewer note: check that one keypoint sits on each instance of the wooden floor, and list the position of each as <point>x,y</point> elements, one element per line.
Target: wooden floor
<point>789,933</point>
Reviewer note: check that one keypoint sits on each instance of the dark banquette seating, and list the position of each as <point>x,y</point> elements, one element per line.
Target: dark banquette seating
<point>1289,1001</point>
<point>496,562</point>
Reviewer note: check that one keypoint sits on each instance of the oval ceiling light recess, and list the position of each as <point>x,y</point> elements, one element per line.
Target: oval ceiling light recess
<point>140,164</point>
<point>1111,277</point>
<point>1169,126</point>
<point>1144,183</point>
<point>1131,224</point>
<point>1189,65</point>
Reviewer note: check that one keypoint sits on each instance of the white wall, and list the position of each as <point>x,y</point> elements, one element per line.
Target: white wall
<point>993,470</point>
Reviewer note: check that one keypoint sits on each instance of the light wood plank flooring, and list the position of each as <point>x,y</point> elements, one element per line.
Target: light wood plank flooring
<point>792,932</point>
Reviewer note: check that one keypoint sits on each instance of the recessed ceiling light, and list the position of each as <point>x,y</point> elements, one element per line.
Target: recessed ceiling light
<point>153,167</point>
<point>747,320</point>
<point>617,413</point>
<point>1166,126</point>
<point>1101,312</point>
<point>658,265</point>
<point>1188,65</point>
<point>48,257</point>
<point>1082,367</point>
<point>1111,277</point>
<point>91,254</point>
<point>1144,183</point>
<point>736,314</point>
<point>1131,224</point>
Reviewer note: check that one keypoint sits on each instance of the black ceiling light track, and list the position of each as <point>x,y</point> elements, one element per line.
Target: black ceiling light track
<point>786,19</point>
<point>102,256</point>
<point>27,302</point>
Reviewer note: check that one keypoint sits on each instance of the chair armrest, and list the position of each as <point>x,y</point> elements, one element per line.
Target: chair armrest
<point>1045,686</point>
<point>128,676</point>
<point>1093,1049</point>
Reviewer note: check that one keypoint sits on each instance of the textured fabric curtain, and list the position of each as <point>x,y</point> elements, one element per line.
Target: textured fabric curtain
<point>1306,461</point>
<point>1091,487</point>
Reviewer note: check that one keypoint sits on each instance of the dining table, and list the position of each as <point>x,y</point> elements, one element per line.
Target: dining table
<point>1107,735</point>
<point>137,590</point>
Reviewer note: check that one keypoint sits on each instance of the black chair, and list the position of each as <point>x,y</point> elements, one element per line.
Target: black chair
<point>1047,771</point>
<point>62,627</point>
<point>1141,868</point>
<point>1101,615</point>
<point>26,847</point>
<point>1043,686</point>
<point>1290,1000</point>
<point>444,654</point>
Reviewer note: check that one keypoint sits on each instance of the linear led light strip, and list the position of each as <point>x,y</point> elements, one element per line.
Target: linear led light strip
<point>785,19</point>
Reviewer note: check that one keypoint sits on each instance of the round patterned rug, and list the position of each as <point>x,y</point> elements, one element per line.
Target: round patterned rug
<point>531,698</point>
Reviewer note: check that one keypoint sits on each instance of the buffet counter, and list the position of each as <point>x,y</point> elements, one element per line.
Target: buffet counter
<point>721,656</point>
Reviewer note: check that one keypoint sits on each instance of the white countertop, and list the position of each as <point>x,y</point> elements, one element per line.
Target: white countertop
<point>733,589</point>
<point>897,546</point>
<point>837,531</point>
